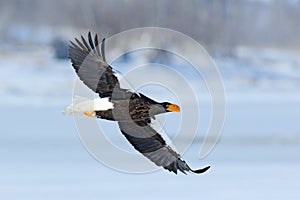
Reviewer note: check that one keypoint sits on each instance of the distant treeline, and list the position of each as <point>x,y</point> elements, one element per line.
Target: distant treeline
<point>213,22</point>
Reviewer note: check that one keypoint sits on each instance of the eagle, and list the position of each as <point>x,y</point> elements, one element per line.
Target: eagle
<point>131,110</point>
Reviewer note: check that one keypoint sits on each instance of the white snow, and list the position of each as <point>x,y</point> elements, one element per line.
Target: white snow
<point>43,158</point>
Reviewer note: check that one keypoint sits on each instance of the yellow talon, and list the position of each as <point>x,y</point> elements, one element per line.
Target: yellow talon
<point>90,113</point>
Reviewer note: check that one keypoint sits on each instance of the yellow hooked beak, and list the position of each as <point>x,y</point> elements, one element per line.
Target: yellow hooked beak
<point>173,108</point>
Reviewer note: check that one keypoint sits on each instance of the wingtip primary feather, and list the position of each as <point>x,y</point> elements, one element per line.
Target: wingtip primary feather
<point>86,44</point>
<point>91,40</point>
<point>80,44</point>
<point>200,171</point>
<point>97,44</point>
<point>103,49</point>
<point>183,167</point>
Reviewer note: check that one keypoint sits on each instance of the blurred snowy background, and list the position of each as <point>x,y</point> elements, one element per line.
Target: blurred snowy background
<point>256,46</point>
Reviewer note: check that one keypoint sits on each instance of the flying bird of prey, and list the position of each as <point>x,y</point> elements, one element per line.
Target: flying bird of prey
<point>132,111</point>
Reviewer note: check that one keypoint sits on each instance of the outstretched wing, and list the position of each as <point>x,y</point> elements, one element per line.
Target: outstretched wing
<point>91,67</point>
<point>148,142</point>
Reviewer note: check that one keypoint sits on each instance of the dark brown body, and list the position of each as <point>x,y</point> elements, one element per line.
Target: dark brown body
<point>137,108</point>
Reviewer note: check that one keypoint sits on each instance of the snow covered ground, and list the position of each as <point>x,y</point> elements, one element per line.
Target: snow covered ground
<point>42,158</point>
<point>258,156</point>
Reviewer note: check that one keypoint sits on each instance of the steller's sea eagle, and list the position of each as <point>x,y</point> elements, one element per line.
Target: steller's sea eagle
<point>132,111</point>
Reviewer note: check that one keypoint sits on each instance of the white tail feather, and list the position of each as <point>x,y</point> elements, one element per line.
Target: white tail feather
<point>88,105</point>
